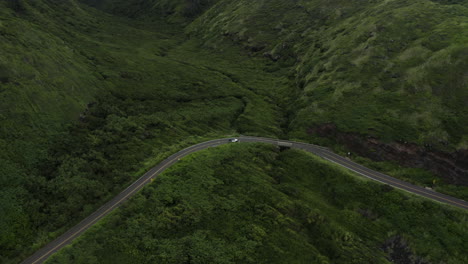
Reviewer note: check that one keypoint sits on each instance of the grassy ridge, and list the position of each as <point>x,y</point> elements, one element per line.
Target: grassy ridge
<point>250,203</point>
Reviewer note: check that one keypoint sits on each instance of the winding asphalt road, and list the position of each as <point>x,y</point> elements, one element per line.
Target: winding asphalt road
<point>63,240</point>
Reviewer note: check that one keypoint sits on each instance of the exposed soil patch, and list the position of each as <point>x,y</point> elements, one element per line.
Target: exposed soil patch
<point>453,167</point>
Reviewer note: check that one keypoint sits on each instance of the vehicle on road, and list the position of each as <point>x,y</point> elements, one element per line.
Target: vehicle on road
<point>41,255</point>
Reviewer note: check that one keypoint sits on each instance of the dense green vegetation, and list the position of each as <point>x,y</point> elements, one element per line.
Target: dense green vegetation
<point>176,11</point>
<point>390,69</point>
<point>134,96</point>
<point>90,98</point>
<point>251,203</point>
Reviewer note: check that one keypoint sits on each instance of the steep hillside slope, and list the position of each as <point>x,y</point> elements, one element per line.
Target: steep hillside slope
<point>246,203</point>
<point>387,75</point>
<point>44,80</point>
<point>389,69</point>
<point>44,83</point>
<point>175,11</point>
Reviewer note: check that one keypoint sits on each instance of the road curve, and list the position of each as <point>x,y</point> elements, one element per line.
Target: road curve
<point>63,240</point>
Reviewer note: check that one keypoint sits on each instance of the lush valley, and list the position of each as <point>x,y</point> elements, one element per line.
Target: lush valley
<point>92,96</point>
<point>81,119</point>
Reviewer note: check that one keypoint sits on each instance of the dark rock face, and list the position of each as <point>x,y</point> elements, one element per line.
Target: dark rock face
<point>451,166</point>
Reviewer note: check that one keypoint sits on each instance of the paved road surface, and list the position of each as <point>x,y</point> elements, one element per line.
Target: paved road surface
<point>63,240</point>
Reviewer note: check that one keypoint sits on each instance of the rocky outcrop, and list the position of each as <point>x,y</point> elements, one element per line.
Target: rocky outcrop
<point>452,166</point>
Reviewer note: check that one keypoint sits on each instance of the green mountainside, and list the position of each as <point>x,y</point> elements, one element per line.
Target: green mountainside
<point>399,67</point>
<point>408,59</point>
<point>251,203</point>
<point>173,10</point>
<point>95,99</point>
<point>94,92</point>
<point>385,79</point>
